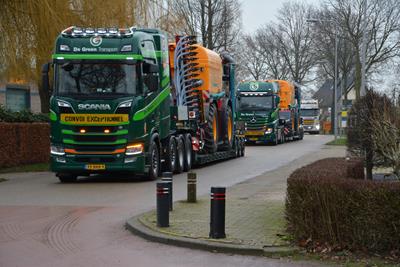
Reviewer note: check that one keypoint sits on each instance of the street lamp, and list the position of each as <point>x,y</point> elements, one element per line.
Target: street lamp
<point>334,111</point>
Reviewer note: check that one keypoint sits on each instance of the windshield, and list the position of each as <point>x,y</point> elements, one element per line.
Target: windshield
<point>309,112</point>
<point>99,79</point>
<point>284,115</point>
<point>255,103</point>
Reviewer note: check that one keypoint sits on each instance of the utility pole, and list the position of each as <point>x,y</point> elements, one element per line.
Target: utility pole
<point>334,93</point>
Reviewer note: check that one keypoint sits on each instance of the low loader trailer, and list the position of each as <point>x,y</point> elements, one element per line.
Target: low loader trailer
<point>124,100</point>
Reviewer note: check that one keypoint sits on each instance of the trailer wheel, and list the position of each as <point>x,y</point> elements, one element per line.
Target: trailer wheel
<point>188,153</point>
<point>237,147</point>
<point>242,147</point>
<point>154,169</point>
<point>170,159</point>
<point>180,149</point>
<point>212,130</point>
<point>227,127</point>
<point>67,177</point>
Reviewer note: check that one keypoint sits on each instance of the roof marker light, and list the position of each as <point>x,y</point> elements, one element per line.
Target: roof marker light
<point>126,48</point>
<point>64,48</point>
<point>129,58</point>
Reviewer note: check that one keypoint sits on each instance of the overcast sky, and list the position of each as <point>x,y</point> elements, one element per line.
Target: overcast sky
<point>259,12</point>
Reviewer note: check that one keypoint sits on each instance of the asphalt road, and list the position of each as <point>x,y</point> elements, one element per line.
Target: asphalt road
<point>46,223</point>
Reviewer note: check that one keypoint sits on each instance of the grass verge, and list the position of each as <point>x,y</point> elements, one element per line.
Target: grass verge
<point>338,142</point>
<point>38,167</point>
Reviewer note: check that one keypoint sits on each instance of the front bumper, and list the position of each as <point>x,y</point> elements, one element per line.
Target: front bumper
<point>261,138</point>
<point>74,164</point>
<point>310,128</point>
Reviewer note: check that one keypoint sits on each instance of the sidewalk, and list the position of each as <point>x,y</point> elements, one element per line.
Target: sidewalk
<point>255,222</point>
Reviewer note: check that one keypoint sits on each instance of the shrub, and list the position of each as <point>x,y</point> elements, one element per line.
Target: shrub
<point>21,116</point>
<point>325,204</point>
<point>24,143</point>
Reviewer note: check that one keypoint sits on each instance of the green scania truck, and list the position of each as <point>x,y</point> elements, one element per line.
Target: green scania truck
<point>124,100</point>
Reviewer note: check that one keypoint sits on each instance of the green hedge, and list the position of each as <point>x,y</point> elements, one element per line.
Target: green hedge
<point>21,116</point>
<point>326,205</point>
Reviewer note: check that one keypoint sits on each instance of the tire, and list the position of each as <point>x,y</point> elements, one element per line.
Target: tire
<point>275,141</point>
<point>180,153</point>
<point>228,128</point>
<point>211,133</point>
<point>67,177</point>
<point>188,153</point>
<point>242,148</point>
<point>170,159</point>
<point>154,169</point>
<point>238,147</point>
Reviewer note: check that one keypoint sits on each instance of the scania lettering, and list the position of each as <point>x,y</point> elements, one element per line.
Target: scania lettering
<point>124,100</point>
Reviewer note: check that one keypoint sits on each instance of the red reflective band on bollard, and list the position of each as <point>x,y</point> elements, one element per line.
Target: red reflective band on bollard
<point>162,191</point>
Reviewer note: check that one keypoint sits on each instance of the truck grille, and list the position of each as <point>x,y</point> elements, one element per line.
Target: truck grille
<point>95,138</point>
<point>80,148</point>
<point>308,122</point>
<point>254,124</point>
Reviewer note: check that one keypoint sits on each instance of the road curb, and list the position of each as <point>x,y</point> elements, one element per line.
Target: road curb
<point>138,228</point>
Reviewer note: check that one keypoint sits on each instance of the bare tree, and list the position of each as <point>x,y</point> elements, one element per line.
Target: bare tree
<point>269,46</point>
<point>295,39</point>
<point>383,21</point>
<point>252,60</point>
<point>216,22</point>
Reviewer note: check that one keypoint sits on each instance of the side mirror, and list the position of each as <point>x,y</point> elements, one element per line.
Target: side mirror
<point>45,77</point>
<point>301,120</point>
<point>277,101</point>
<point>150,68</point>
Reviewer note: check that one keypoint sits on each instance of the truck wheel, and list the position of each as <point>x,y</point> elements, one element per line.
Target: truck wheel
<point>237,147</point>
<point>180,153</point>
<point>275,141</point>
<point>242,148</point>
<point>154,169</point>
<point>188,153</point>
<point>212,130</point>
<point>228,128</point>
<point>66,177</point>
<point>170,159</point>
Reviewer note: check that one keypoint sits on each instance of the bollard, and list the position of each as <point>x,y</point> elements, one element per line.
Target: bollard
<point>162,204</point>
<point>191,187</point>
<point>217,213</point>
<point>167,177</point>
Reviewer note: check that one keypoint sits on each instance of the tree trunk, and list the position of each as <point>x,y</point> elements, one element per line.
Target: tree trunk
<point>369,163</point>
<point>357,77</point>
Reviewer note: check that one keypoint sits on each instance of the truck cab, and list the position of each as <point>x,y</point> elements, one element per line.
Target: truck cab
<point>258,107</point>
<point>310,114</point>
<point>111,92</point>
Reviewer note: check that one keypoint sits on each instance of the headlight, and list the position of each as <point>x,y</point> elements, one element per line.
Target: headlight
<point>268,131</point>
<point>134,149</point>
<point>57,150</point>
<point>63,104</point>
<point>317,126</point>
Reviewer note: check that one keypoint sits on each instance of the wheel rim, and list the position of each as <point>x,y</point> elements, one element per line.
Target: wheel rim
<point>154,160</point>
<point>215,128</point>
<point>173,154</point>
<point>230,128</point>
<point>189,156</point>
